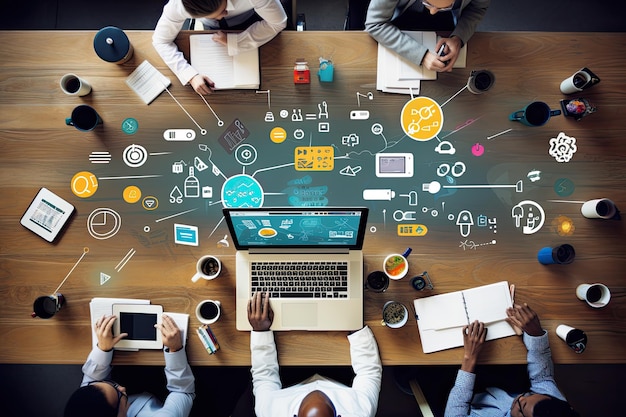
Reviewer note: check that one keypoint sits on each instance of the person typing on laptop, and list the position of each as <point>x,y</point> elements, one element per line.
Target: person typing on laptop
<point>316,396</point>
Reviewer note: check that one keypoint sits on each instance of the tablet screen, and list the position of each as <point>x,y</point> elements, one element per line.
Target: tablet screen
<point>139,326</point>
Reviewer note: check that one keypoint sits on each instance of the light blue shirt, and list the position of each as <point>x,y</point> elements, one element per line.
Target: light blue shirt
<point>180,384</point>
<point>496,402</point>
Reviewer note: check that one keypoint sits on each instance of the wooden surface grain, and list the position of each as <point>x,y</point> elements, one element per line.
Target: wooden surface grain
<point>37,149</point>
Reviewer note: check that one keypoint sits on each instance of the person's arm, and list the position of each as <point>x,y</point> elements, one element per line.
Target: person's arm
<point>273,20</point>
<point>366,365</point>
<point>378,25</point>
<point>265,377</point>
<point>460,397</point>
<point>169,25</point>
<point>180,379</point>
<point>470,17</point>
<point>98,364</point>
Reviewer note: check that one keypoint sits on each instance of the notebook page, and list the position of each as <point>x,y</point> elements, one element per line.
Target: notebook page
<point>147,82</point>
<point>441,311</point>
<point>488,303</point>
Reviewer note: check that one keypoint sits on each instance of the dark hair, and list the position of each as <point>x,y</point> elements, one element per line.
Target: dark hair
<point>553,407</point>
<point>89,401</point>
<point>201,8</point>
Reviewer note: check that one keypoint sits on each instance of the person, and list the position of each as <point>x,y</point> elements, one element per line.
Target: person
<point>544,398</point>
<point>262,20</point>
<point>98,396</point>
<point>386,18</point>
<point>316,396</point>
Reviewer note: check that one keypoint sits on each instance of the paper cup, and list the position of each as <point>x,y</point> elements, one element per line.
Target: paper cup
<point>576,339</point>
<point>73,85</point>
<point>596,295</point>
<point>575,83</point>
<point>599,208</point>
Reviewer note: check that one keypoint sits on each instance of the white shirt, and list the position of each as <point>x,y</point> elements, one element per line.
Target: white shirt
<point>359,400</point>
<point>259,33</point>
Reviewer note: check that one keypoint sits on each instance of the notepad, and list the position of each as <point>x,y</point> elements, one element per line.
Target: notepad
<point>211,58</point>
<point>147,82</point>
<point>440,318</point>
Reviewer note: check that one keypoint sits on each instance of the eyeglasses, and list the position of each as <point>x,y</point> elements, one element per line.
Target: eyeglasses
<point>439,9</point>
<point>116,386</point>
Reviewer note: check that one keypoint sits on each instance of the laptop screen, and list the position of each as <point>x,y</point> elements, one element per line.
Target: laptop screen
<point>297,227</point>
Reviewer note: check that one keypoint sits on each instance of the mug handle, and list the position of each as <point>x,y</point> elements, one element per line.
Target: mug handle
<point>68,121</point>
<point>518,115</point>
<point>196,277</point>
<point>555,112</point>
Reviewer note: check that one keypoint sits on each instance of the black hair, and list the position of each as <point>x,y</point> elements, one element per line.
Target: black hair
<point>89,401</point>
<point>553,407</point>
<point>201,8</point>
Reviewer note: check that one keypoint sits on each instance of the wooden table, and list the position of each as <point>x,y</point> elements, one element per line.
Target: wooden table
<point>38,150</point>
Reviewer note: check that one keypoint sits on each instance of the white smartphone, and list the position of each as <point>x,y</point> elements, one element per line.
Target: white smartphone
<point>393,165</point>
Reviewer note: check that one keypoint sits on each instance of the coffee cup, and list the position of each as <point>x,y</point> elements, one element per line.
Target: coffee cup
<point>395,314</point>
<point>208,267</point>
<point>396,265</point>
<point>208,311</point>
<point>377,281</point>
<point>600,208</point>
<point>84,118</point>
<point>480,81</point>
<point>47,305</point>
<point>536,113</point>
<point>562,254</point>
<point>575,338</point>
<point>596,295</point>
<point>73,85</point>
<point>575,83</point>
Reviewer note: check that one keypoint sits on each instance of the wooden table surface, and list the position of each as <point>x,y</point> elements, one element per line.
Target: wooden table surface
<point>38,150</point>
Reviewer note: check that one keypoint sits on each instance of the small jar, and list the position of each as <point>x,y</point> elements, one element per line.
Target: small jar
<point>301,72</point>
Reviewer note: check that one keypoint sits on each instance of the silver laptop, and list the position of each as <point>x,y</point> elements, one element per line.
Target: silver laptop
<point>308,259</point>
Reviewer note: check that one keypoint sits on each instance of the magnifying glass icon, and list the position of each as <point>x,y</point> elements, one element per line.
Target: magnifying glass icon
<point>84,184</point>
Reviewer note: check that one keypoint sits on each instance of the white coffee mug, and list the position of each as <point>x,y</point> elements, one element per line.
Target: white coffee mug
<point>73,85</point>
<point>395,314</point>
<point>575,83</point>
<point>599,208</point>
<point>208,267</point>
<point>208,311</point>
<point>596,295</point>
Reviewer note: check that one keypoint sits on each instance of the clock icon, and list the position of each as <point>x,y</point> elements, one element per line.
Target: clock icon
<point>130,126</point>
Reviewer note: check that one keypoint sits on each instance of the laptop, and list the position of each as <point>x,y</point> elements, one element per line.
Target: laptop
<point>309,259</point>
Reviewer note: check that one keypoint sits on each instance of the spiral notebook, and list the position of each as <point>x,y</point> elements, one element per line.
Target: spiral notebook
<point>440,318</point>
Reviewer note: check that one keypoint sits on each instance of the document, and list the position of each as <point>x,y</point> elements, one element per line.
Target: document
<point>147,82</point>
<point>395,74</point>
<point>440,318</point>
<point>99,307</point>
<point>211,58</point>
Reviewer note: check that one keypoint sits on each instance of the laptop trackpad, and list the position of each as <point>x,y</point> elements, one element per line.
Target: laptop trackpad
<point>300,315</point>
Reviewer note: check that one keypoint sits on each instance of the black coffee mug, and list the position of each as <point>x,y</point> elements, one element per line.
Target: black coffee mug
<point>536,113</point>
<point>84,118</point>
<point>377,281</point>
<point>47,305</point>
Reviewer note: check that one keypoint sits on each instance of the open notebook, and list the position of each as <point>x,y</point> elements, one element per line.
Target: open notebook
<point>440,318</point>
<point>210,58</point>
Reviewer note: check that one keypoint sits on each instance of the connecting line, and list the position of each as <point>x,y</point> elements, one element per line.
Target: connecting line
<point>85,251</point>
<point>456,94</point>
<point>219,122</point>
<point>202,131</point>
<point>269,101</point>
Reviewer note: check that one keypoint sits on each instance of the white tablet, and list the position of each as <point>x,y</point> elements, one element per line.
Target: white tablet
<point>389,165</point>
<point>138,321</point>
<point>47,214</point>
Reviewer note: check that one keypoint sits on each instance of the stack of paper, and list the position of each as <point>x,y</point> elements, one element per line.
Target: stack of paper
<point>99,307</point>
<point>227,72</point>
<point>147,82</point>
<point>395,74</point>
<point>440,318</point>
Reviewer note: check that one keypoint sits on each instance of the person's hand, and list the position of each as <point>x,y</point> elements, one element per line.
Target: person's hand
<point>103,327</point>
<point>170,333</point>
<point>451,52</point>
<point>525,318</point>
<point>202,84</point>
<point>220,37</point>
<point>474,336</point>
<point>260,314</point>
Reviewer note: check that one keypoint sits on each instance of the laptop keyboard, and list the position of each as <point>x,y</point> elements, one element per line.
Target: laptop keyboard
<point>315,279</point>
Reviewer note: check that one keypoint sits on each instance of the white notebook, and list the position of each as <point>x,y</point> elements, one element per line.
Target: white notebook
<point>211,58</point>
<point>147,82</point>
<point>440,318</point>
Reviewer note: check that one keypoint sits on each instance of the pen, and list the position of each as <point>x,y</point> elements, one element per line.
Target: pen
<point>443,47</point>
<point>517,330</point>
